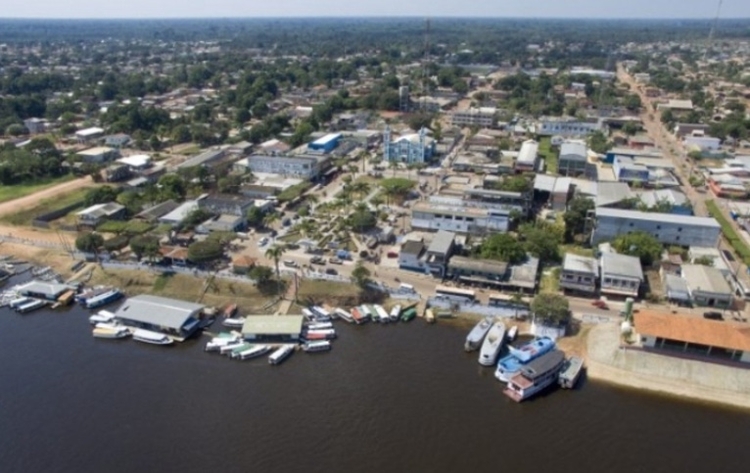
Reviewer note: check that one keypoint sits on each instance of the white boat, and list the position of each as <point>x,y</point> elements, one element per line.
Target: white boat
<point>319,326</point>
<point>395,313</point>
<point>100,318</point>
<point>367,313</point>
<point>382,314</point>
<point>343,314</point>
<point>117,332</point>
<point>30,306</point>
<point>512,333</point>
<point>321,315</point>
<point>312,347</point>
<point>477,334</point>
<point>280,354</point>
<point>226,349</point>
<point>308,313</point>
<point>154,338</point>
<point>234,322</point>
<point>535,376</point>
<point>254,352</point>
<point>109,326</point>
<point>216,343</point>
<point>327,334</point>
<point>492,345</point>
<point>103,299</point>
<point>16,303</point>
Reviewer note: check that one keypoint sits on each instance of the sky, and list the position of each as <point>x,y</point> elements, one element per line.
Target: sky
<point>328,8</point>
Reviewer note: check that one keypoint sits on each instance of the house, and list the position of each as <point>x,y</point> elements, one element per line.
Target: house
<point>676,290</point>
<point>98,213</point>
<point>554,190</point>
<point>240,149</point>
<point>477,271</point>
<point>325,144</point>
<point>568,127</point>
<point>481,116</point>
<point>273,147</point>
<point>439,252</point>
<point>117,141</point>
<point>205,158</point>
<point>669,229</point>
<point>682,130</point>
<point>626,170</point>
<point>137,162</point>
<point>579,274</point>
<point>88,135</point>
<point>680,333</point>
<point>152,214</point>
<point>409,149</point>
<point>222,223</point>
<point>698,255</point>
<point>704,143</point>
<point>237,205</point>
<point>573,159</point>
<point>98,155</point>
<point>676,105</point>
<point>35,125</point>
<point>176,216</point>
<point>707,285</point>
<point>528,156</point>
<point>677,202</point>
<point>115,173</point>
<point>410,256</point>
<point>305,167</point>
<point>621,275</point>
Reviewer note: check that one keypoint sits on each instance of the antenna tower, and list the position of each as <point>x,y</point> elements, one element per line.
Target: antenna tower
<point>425,57</point>
<point>713,30</point>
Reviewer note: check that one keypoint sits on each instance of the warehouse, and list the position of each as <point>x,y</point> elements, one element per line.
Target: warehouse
<point>326,144</point>
<point>272,328</point>
<point>43,290</point>
<point>173,317</point>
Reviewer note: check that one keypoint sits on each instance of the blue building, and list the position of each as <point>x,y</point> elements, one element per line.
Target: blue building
<point>325,144</point>
<point>409,149</point>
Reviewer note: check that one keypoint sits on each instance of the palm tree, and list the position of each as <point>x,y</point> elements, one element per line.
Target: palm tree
<point>270,218</point>
<point>353,168</point>
<point>361,188</point>
<point>275,253</point>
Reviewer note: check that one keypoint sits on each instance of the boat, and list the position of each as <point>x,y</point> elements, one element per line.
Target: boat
<point>395,313</point>
<point>91,293</point>
<point>226,349</point>
<point>321,315</point>
<point>429,316</point>
<point>280,354</point>
<point>308,314</point>
<point>229,311</point>
<point>342,314</point>
<point>319,326</point>
<point>109,326</point>
<point>327,334</point>
<point>154,338</point>
<point>477,334</point>
<point>16,303</point>
<point>508,366</point>
<point>244,346</point>
<point>538,374</point>
<point>357,316</point>
<point>101,317</point>
<point>234,322</point>
<point>366,313</point>
<point>31,306</point>
<point>217,342</point>
<point>409,314</point>
<point>103,299</point>
<point>312,347</point>
<point>570,372</point>
<point>118,332</point>
<point>531,350</point>
<point>492,344</point>
<point>512,333</point>
<point>383,316</point>
<point>66,298</point>
<point>254,352</point>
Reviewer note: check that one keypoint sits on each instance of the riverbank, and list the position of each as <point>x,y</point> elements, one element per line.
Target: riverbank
<point>708,382</point>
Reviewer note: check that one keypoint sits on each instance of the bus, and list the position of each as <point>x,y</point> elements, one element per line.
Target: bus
<point>461,295</point>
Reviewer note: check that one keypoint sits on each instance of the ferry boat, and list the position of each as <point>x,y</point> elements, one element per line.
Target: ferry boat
<point>308,314</point>
<point>154,338</point>
<point>358,317</point>
<point>237,322</point>
<point>254,352</point>
<point>319,326</point>
<point>367,313</point>
<point>91,293</point>
<point>16,303</point>
<point>531,350</point>
<point>244,346</point>
<point>508,366</point>
<point>477,334</point>
<point>342,314</point>
<point>409,314</point>
<point>227,349</point>
<point>492,345</point>
<point>111,333</point>
<point>570,372</point>
<point>103,299</point>
<point>217,342</point>
<point>395,313</point>
<point>512,333</point>
<point>382,314</point>
<point>312,347</point>
<point>31,306</point>
<point>538,374</point>
<point>321,315</point>
<point>280,354</point>
<point>327,334</point>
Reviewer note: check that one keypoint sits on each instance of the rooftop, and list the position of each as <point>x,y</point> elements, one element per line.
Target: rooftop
<point>326,139</point>
<point>158,311</point>
<point>615,264</point>
<point>580,264</point>
<point>442,242</point>
<point>89,132</point>
<point>576,148</point>
<point>179,214</point>
<point>528,153</point>
<point>657,217</point>
<point>480,265</point>
<point>42,287</point>
<point>697,330</point>
<point>705,279</point>
<point>95,151</point>
<point>412,247</point>
<point>158,210</point>
<point>608,193</point>
<point>203,158</point>
<point>101,210</point>
<point>136,161</point>
<point>273,324</point>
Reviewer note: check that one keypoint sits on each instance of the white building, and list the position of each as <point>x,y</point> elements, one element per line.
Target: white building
<point>482,116</point>
<point>568,127</point>
<point>305,167</point>
<point>528,156</point>
<point>89,134</point>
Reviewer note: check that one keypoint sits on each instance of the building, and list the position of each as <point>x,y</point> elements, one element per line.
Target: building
<point>117,140</point>
<point>701,255</point>
<point>482,116</point>
<point>528,156</point>
<point>675,200</point>
<point>568,127</point>
<point>273,147</point>
<point>409,149</point>
<point>173,317</point>
<point>458,218</point>
<point>176,216</point>
<point>411,256</point>
<point>553,190</point>
<point>240,148</point>
<point>704,143</point>
<point>579,274</point>
<point>43,290</point>
<point>116,172</point>
<point>98,213</point>
<point>504,201</point>
<point>573,159</point>
<point>236,205</point>
<point>693,335</point>
<point>676,105</point>
<point>728,186</point>
<point>88,135</point>
<point>326,144</point>
<point>222,223</point>
<point>98,155</point>
<point>305,167</point>
<point>707,285</point>
<point>136,162</point>
<point>203,159</point>
<point>669,229</point>
<point>272,328</point>
<point>676,289</point>
<point>242,264</point>
<point>153,214</point>
<point>478,271</point>
<point>35,125</point>
<point>626,170</point>
<point>621,275</point>
<point>682,130</point>
<point>439,252</point>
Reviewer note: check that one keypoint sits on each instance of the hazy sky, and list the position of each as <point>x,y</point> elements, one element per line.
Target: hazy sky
<point>419,8</point>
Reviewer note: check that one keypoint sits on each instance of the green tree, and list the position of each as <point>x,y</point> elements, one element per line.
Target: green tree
<point>503,247</point>
<point>100,195</point>
<point>362,219</point>
<point>202,252</point>
<point>145,245</point>
<point>575,217</point>
<point>230,184</point>
<point>551,309</point>
<point>542,240</point>
<point>598,142</point>
<point>361,275</point>
<point>172,186</point>
<point>639,244</point>
<point>275,253</point>
<point>89,242</point>
<point>261,274</point>
<point>515,184</point>
<point>196,217</point>
<point>255,216</point>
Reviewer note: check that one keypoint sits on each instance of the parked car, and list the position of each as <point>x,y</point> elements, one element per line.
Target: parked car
<point>286,221</point>
<point>262,241</point>
<point>600,304</point>
<point>393,254</point>
<point>713,315</point>
<point>289,263</point>
<point>317,260</point>
<point>335,261</point>
<point>331,271</point>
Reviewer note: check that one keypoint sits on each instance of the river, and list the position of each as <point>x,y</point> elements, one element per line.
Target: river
<point>398,398</point>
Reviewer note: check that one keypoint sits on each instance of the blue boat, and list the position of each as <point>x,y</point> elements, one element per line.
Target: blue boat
<point>508,366</point>
<point>103,299</point>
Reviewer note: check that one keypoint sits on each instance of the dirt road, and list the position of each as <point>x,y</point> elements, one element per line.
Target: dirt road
<point>30,201</point>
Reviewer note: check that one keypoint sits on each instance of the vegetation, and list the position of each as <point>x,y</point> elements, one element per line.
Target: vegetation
<point>503,247</point>
<point>515,184</point>
<point>549,155</point>
<point>16,191</point>
<point>145,245</point>
<point>361,275</point>
<point>639,244</point>
<point>37,161</point>
<point>24,217</point>
<point>727,229</point>
<point>542,239</point>
<point>275,253</point>
<point>261,274</point>
<point>202,252</point>
<point>575,217</point>
<point>89,242</point>
<point>551,309</point>
<point>293,192</point>
<point>132,227</point>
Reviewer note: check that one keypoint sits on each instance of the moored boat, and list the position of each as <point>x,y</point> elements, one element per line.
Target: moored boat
<point>383,316</point>
<point>512,333</point>
<point>533,349</point>
<point>234,322</point>
<point>226,349</point>
<point>31,306</point>
<point>367,314</point>
<point>327,334</point>
<point>103,299</point>
<point>16,303</point>
<point>492,344</point>
<point>115,332</point>
<point>154,338</point>
<point>395,313</point>
<point>321,315</point>
<point>357,316</point>
<point>429,316</point>
<point>409,314</point>
<point>217,342</point>
<point>280,354</point>
<point>312,347</point>
<point>509,365</point>
<point>319,326</point>
<point>342,314</point>
<point>254,352</point>
<point>476,335</point>
<point>101,317</point>
<point>535,376</point>
<point>570,372</point>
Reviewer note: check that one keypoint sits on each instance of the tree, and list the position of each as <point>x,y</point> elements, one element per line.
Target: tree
<point>275,253</point>
<point>632,102</point>
<point>202,252</point>
<point>361,275</point>
<point>397,187</point>
<point>575,217</point>
<point>172,186</point>
<point>362,219</point>
<point>551,309</point>
<point>145,245</point>
<point>270,218</point>
<point>261,274</point>
<point>230,184</point>
<point>255,216</point>
<point>89,242</point>
<point>542,240</point>
<point>639,244</point>
<point>598,142</point>
<point>195,217</point>
<point>630,128</point>
<point>515,184</point>
<point>502,247</point>
<point>420,120</point>
<point>704,260</point>
<point>100,195</point>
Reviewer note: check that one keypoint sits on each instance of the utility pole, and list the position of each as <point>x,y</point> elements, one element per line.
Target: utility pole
<point>713,30</point>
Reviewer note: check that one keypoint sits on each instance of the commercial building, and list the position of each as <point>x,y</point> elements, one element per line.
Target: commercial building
<point>669,229</point>
<point>229,204</point>
<point>482,116</point>
<point>176,216</point>
<point>411,256</point>
<point>573,159</point>
<point>496,274</point>
<point>305,167</point>
<point>568,127</point>
<point>43,290</point>
<point>98,213</point>
<point>707,286</point>
<point>693,335</point>
<point>458,218</point>
<point>579,274</point>
<point>272,328</point>
<point>528,156</point>
<point>409,149</point>
<point>439,252</point>
<point>621,275</point>
<point>325,144</point>
<point>173,317</point>
<point>154,213</point>
<point>35,125</point>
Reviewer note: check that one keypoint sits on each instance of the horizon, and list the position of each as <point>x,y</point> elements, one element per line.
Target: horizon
<point>374,17</point>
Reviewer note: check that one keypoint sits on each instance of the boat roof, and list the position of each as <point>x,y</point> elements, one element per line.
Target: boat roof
<point>541,365</point>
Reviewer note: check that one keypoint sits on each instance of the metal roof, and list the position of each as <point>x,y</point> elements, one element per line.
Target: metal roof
<point>159,311</point>
<point>615,264</point>
<point>49,289</point>
<point>482,265</point>
<point>158,210</point>
<point>412,247</point>
<point>696,330</point>
<point>580,264</point>
<point>544,182</point>
<point>657,217</point>
<point>442,242</point>
<point>528,153</point>
<point>608,193</point>
<point>524,275</point>
<point>179,214</point>
<point>705,279</point>
<point>676,287</point>
<point>273,324</point>
<point>574,148</point>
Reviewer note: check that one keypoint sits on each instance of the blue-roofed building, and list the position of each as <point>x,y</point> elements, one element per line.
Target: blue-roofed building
<point>325,144</point>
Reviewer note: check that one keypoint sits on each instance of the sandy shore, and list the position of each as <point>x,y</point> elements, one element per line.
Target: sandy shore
<point>690,379</point>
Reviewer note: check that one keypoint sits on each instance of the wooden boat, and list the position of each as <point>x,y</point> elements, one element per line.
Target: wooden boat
<point>570,372</point>
<point>535,376</point>
<point>66,298</point>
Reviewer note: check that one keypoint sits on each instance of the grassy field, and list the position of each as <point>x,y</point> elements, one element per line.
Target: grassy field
<point>132,227</point>
<point>22,190</point>
<point>548,154</point>
<point>25,217</point>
